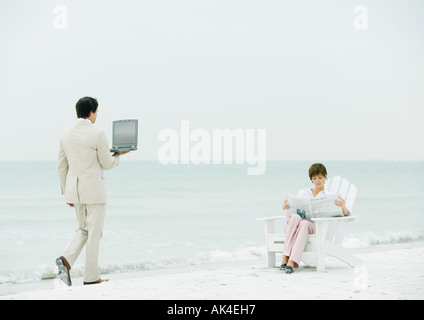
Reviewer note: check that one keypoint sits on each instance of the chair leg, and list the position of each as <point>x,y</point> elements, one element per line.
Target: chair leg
<point>320,233</point>
<point>320,261</point>
<point>344,255</point>
<point>271,259</point>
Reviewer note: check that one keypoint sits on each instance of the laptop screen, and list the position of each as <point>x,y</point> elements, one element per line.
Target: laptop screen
<point>125,133</point>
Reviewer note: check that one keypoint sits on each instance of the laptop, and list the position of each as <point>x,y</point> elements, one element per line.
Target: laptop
<point>125,135</point>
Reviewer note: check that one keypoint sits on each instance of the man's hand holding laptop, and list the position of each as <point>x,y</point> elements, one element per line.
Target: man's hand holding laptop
<point>120,153</point>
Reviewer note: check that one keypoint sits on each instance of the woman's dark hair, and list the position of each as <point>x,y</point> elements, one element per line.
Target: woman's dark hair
<point>317,169</point>
<point>85,106</point>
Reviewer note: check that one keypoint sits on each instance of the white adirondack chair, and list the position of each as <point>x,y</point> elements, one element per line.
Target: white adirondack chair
<point>329,232</point>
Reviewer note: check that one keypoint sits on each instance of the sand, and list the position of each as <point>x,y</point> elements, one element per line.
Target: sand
<point>389,273</point>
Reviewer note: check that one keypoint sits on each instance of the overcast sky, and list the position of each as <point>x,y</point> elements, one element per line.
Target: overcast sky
<point>320,87</point>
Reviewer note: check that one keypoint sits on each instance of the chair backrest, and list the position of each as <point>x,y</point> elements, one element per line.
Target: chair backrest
<point>348,191</point>
<point>338,185</point>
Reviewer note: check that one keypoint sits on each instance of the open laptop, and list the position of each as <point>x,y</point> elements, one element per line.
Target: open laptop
<point>125,135</point>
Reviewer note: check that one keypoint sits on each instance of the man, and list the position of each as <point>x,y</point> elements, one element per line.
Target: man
<point>83,154</point>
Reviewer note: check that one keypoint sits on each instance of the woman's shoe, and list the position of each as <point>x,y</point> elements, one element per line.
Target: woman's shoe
<point>283,266</point>
<point>289,269</point>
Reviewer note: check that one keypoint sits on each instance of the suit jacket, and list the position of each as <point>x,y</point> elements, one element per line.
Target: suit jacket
<point>83,154</point>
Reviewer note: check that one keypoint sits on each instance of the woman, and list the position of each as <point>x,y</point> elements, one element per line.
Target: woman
<point>298,230</point>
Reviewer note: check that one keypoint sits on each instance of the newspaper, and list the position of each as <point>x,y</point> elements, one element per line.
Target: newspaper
<point>308,208</point>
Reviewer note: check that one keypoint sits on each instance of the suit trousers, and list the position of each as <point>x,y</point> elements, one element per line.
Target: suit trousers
<point>90,231</point>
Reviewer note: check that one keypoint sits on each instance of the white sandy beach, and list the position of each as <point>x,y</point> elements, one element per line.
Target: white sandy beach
<point>390,273</point>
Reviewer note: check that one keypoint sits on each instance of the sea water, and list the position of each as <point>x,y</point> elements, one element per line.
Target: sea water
<point>161,216</point>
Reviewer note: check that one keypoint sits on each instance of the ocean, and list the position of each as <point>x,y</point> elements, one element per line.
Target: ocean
<point>162,216</point>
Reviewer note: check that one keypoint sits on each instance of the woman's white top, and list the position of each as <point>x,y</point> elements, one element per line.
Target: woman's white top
<point>307,193</point>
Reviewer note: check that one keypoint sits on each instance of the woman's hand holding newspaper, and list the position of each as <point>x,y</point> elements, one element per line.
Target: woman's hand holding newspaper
<point>286,205</point>
<point>342,204</point>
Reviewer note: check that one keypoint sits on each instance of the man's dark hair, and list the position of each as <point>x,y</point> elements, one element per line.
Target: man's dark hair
<point>85,106</point>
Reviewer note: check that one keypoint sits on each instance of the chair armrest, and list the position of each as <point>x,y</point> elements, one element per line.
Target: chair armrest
<point>272,218</point>
<point>269,223</point>
<point>348,218</point>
